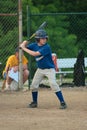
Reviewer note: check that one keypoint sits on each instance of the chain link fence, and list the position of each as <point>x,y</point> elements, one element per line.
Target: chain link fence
<point>8,30</point>
<point>67,36</point>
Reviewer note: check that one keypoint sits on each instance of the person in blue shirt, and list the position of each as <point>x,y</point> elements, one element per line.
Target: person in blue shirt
<point>41,50</point>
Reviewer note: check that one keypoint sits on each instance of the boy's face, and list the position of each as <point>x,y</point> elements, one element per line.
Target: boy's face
<point>17,54</point>
<point>42,41</point>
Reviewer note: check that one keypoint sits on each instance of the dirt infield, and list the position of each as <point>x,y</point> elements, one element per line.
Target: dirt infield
<point>14,114</point>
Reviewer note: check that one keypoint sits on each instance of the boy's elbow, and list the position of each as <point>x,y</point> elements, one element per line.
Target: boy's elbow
<point>36,54</point>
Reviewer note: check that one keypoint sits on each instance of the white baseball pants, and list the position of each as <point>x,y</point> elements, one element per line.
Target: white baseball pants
<point>39,75</point>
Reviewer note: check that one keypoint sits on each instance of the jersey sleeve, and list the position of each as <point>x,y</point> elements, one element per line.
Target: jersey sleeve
<point>45,50</point>
<point>9,62</point>
<point>31,46</point>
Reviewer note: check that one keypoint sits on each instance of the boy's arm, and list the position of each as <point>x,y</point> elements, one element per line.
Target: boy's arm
<point>33,53</point>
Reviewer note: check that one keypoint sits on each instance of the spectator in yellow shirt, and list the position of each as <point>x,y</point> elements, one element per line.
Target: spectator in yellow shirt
<point>13,63</point>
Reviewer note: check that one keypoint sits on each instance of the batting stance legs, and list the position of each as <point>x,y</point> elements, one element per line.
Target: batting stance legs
<point>38,77</point>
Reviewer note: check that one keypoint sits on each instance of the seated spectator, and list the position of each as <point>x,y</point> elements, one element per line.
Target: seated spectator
<point>13,64</point>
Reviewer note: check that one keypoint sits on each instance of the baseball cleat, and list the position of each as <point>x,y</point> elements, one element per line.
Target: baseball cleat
<point>63,105</point>
<point>32,105</point>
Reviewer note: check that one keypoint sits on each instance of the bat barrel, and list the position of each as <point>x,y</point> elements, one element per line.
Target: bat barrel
<point>43,25</point>
<point>40,27</point>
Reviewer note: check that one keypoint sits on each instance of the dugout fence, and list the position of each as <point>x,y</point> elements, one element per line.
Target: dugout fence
<point>10,32</point>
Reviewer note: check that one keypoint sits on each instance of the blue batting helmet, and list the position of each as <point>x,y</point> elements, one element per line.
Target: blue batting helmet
<point>41,34</point>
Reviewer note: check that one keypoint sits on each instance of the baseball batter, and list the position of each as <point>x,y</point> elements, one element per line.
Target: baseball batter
<point>41,50</point>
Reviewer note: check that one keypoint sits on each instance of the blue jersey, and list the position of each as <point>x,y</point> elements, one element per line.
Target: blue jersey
<point>44,61</point>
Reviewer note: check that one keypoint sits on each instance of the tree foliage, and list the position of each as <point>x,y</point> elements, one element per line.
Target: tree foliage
<point>68,32</point>
<point>67,25</point>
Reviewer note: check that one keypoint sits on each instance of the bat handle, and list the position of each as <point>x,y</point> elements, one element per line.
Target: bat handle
<point>29,39</point>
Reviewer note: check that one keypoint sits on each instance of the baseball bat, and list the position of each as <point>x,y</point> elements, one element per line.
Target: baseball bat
<point>3,85</point>
<point>5,75</point>
<point>40,27</point>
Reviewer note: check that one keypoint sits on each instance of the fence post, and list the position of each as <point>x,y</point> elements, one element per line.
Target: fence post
<point>20,40</point>
<point>28,35</point>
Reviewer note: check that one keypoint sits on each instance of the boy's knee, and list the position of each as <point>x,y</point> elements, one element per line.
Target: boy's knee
<point>26,73</point>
